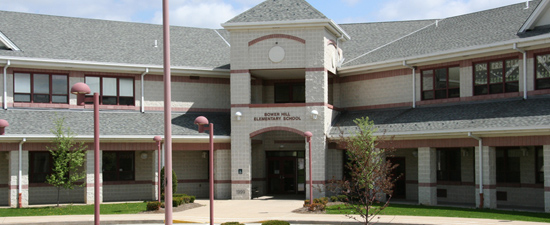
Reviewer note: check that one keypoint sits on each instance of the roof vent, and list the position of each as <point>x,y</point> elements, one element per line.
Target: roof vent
<point>156,44</point>
<point>436,23</point>
<point>527,4</point>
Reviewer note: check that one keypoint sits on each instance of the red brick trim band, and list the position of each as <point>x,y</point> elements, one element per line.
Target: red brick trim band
<point>259,179</point>
<point>318,69</point>
<point>281,105</point>
<point>194,181</point>
<point>264,130</point>
<point>222,181</point>
<point>487,186</point>
<point>240,182</point>
<point>427,184</point>
<point>16,187</point>
<point>271,36</point>
<point>136,182</point>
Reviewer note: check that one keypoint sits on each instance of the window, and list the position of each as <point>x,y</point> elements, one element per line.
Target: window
<point>441,83</point>
<point>290,93</point>
<point>542,79</point>
<point>508,165</point>
<point>40,88</point>
<point>496,77</point>
<point>539,169</point>
<point>40,166</point>
<point>448,164</point>
<point>118,166</point>
<point>112,90</point>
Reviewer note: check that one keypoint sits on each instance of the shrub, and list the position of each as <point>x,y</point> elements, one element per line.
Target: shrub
<point>333,198</point>
<point>186,199</point>
<point>232,223</point>
<point>177,202</point>
<point>319,204</point>
<point>192,199</point>
<point>275,222</point>
<point>174,182</point>
<point>153,206</point>
<point>342,198</point>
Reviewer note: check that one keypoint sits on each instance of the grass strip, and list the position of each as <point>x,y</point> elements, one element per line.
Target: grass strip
<point>123,208</point>
<point>436,211</point>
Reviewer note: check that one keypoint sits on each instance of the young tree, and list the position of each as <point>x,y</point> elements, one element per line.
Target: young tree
<point>163,182</point>
<point>369,177</point>
<point>68,156</point>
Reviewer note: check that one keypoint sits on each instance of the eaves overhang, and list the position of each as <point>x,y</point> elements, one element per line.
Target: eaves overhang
<point>42,63</point>
<point>449,55</point>
<point>327,23</point>
<point>117,138</point>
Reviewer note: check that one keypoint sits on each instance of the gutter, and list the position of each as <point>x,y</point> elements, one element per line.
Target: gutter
<point>481,199</point>
<point>524,69</point>
<point>143,90</point>
<point>19,182</point>
<point>413,82</point>
<point>119,138</point>
<point>4,99</point>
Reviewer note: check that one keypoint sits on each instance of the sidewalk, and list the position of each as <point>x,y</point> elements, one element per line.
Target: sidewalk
<point>249,212</point>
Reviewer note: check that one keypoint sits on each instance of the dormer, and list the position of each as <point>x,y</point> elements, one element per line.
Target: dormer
<point>539,18</point>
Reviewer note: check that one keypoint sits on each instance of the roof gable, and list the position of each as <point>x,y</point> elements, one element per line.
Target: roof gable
<point>539,17</point>
<point>6,43</point>
<point>279,10</point>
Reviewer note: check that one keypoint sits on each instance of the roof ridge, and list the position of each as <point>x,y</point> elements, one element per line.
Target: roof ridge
<point>279,10</point>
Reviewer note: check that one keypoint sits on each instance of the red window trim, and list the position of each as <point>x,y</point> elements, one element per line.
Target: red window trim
<point>118,88</point>
<point>434,82</point>
<point>535,70</point>
<point>488,62</point>
<point>117,169</point>
<point>31,93</point>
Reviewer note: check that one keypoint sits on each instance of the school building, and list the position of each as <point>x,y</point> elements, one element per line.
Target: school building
<point>466,99</point>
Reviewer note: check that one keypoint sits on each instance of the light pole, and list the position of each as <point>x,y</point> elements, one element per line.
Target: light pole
<point>3,124</point>
<point>308,139</point>
<point>158,139</point>
<point>201,121</point>
<point>80,90</point>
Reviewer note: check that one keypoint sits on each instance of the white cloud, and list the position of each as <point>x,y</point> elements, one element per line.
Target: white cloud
<point>207,14</point>
<point>433,9</point>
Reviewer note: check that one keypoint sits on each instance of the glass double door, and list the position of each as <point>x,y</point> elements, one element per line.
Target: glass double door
<point>282,175</point>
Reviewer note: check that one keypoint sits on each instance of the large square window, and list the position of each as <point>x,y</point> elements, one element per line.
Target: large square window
<point>441,83</point>
<point>448,164</point>
<point>508,165</point>
<point>40,166</point>
<point>112,90</point>
<point>40,88</point>
<point>118,166</point>
<point>542,78</point>
<point>496,77</point>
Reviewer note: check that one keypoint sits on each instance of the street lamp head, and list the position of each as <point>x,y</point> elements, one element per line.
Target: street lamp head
<point>80,90</point>
<point>308,135</point>
<point>3,124</point>
<point>201,121</point>
<point>157,138</point>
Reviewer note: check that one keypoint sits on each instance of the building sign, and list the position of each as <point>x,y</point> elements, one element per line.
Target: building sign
<point>284,116</point>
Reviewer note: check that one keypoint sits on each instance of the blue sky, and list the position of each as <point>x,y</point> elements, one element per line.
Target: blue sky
<point>211,13</point>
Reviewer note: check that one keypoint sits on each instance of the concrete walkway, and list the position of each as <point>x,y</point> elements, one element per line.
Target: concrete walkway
<point>249,212</point>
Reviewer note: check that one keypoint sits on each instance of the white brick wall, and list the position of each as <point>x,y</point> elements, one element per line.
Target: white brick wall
<point>389,90</point>
<point>489,177</point>
<point>14,172</point>
<point>48,195</point>
<point>126,192</point>
<point>427,175</point>
<point>222,172</point>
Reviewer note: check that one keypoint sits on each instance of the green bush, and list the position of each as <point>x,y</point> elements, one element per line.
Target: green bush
<point>333,198</point>
<point>342,198</point>
<point>186,199</point>
<point>232,223</point>
<point>319,204</point>
<point>192,199</point>
<point>174,182</point>
<point>153,206</point>
<point>275,222</point>
<point>177,201</point>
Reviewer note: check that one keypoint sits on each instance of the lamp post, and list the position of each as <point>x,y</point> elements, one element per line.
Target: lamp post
<point>3,124</point>
<point>158,139</point>
<point>308,139</point>
<point>201,121</point>
<point>80,90</point>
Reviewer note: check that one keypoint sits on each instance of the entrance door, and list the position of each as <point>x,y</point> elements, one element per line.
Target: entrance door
<point>400,186</point>
<point>281,175</point>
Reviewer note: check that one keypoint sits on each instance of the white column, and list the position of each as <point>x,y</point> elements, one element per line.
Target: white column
<point>546,154</point>
<point>14,179</point>
<point>489,177</point>
<point>154,172</point>
<point>427,176</point>
<point>89,187</point>
<point>241,174</point>
<point>222,174</point>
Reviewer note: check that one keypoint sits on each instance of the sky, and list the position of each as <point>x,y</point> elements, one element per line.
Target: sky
<point>212,13</point>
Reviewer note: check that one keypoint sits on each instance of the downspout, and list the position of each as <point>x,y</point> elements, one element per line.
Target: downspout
<point>480,168</point>
<point>19,183</point>
<point>413,81</point>
<point>5,103</point>
<point>524,69</point>
<point>143,90</point>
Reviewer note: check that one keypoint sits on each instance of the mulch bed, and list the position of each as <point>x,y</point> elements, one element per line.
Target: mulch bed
<point>175,209</point>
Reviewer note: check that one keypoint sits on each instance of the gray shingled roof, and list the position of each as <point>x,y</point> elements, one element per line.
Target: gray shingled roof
<point>24,121</point>
<point>65,38</point>
<point>475,29</point>
<point>476,115</point>
<point>279,10</point>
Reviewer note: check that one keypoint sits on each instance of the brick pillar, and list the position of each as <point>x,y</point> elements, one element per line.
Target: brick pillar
<point>489,177</point>
<point>89,188</point>
<point>427,176</point>
<point>546,154</point>
<point>241,174</point>
<point>222,174</point>
<point>155,172</point>
<point>14,178</point>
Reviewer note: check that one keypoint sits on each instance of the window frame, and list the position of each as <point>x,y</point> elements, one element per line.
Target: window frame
<point>488,84</point>
<point>32,92</point>
<point>547,79</point>
<point>291,86</point>
<point>32,159</point>
<point>118,97</point>
<point>117,172</point>
<point>446,172</point>
<point>505,176</point>
<point>434,83</point>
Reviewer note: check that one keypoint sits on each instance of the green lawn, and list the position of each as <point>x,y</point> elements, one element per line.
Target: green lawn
<point>417,210</point>
<point>124,208</point>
